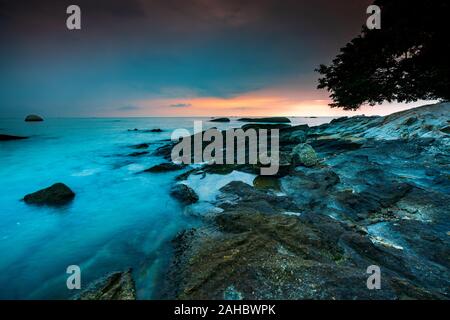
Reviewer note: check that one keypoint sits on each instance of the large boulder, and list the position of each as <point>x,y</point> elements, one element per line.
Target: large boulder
<point>115,286</point>
<point>7,137</point>
<point>33,118</point>
<point>184,194</point>
<point>57,194</point>
<point>304,154</point>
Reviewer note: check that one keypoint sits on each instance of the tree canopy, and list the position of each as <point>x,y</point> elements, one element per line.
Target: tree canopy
<point>406,60</point>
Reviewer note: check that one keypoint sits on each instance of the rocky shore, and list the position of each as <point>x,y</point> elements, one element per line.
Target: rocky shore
<point>353,193</point>
<point>350,194</point>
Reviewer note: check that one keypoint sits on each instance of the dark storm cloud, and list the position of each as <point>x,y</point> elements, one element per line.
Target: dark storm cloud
<point>137,49</point>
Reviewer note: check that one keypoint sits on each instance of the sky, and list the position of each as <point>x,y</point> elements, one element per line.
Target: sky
<point>174,57</point>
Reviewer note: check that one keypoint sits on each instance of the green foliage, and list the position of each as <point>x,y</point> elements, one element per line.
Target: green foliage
<point>406,60</point>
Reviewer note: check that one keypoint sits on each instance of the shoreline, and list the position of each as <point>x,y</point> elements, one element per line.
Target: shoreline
<point>310,239</point>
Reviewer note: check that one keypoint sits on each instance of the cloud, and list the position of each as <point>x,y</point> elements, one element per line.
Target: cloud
<point>128,108</point>
<point>180,105</point>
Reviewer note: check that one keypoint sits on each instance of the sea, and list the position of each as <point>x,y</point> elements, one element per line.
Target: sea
<point>120,218</point>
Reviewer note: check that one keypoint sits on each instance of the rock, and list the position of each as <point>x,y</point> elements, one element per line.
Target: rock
<point>312,188</point>
<point>267,126</point>
<point>184,193</point>
<point>284,164</point>
<point>294,137</point>
<point>141,146</point>
<point>165,151</point>
<point>376,199</point>
<point>269,119</point>
<point>155,130</point>
<point>164,167</point>
<point>409,121</point>
<point>115,286</point>
<point>151,130</point>
<point>220,120</point>
<point>260,256</point>
<point>341,119</point>
<point>267,183</point>
<point>244,197</point>
<point>333,146</point>
<point>7,137</point>
<point>446,129</point>
<point>33,118</point>
<point>300,127</point>
<point>304,154</point>
<point>57,194</point>
<point>138,154</point>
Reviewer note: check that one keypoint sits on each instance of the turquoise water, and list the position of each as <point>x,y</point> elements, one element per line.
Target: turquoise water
<point>119,218</point>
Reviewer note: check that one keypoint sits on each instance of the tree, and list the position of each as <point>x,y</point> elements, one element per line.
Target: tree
<point>406,60</point>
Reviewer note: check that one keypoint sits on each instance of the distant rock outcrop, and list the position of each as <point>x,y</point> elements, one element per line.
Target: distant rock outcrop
<point>57,194</point>
<point>33,118</point>
<point>269,119</point>
<point>220,120</point>
<point>115,286</point>
<point>7,137</point>
<point>267,126</point>
<point>141,146</point>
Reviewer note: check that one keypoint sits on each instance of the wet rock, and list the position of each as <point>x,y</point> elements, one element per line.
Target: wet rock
<point>269,257</point>
<point>155,130</point>
<point>141,146</point>
<point>309,190</point>
<point>446,129</point>
<point>165,151</point>
<point>57,194</point>
<point>115,286</point>
<point>33,118</point>
<point>332,146</point>
<point>267,183</point>
<point>294,137</point>
<point>359,205</point>
<point>138,154</point>
<point>184,194</point>
<point>285,164</point>
<point>269,119</point>
<point>220,120</point>
<point>164,167</point>
<point>304,154</point>
<point>410,121</point>
<point>7,137</point>
<point>267,126</point>
<point>238,194</point>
